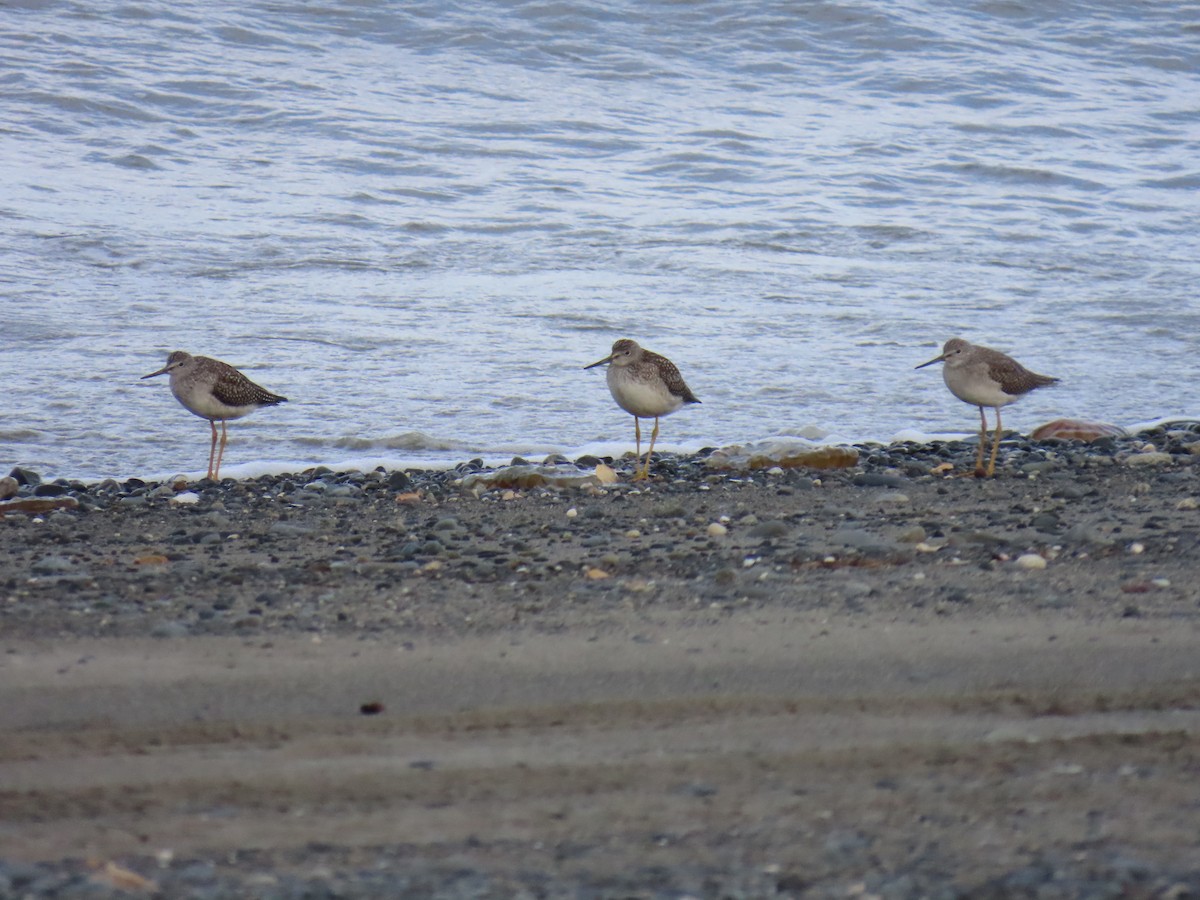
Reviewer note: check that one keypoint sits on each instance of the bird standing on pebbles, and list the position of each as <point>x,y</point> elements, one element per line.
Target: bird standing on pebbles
<point>645,385</point>
<point>215,391</point>
<point>985,377</point>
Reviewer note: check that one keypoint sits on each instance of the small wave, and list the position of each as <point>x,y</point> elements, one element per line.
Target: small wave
<point>20,435</point>
<point>409,440</point>
<point>1021,175</point>
<point>134,161</point>
<point>1181,182</point>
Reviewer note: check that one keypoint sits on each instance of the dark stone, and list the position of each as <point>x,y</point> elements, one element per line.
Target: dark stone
<point>25,477</point>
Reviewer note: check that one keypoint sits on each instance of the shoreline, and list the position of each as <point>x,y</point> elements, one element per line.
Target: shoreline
<point>782,681</point>
<point>392,447</point>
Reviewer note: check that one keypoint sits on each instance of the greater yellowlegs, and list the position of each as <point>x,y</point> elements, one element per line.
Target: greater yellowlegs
<point>645,385</point>
<point>984,377</point>
<point>215,391</point>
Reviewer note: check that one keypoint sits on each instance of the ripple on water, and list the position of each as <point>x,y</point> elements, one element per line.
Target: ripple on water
<point>423,219</point>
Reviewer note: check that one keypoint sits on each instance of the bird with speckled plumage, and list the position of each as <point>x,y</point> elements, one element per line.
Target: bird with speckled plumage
<point>216,391</point>
<point>984,377</point>
<point>645,385</point>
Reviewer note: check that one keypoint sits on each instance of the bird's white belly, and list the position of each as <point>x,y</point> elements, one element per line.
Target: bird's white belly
<point>975,388</point>
<point>204,405</point>
<point>641,398</point>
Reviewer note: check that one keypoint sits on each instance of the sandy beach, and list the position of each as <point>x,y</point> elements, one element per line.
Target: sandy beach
<point>882,680</point>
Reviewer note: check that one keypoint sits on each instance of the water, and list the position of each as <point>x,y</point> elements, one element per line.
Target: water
<point>419,221</point>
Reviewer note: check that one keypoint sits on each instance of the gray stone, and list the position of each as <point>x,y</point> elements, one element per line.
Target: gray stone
<point>769,530</point>
<point>55,565</point>
<point>288,529</point>
<point>1085,533</point>
<point>857,589</point>
<point>860,539</point>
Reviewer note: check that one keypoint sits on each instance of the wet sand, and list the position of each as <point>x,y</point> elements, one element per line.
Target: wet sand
<point>862,686</point>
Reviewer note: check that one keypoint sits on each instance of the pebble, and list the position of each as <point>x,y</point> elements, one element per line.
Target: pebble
<point>1153,458</point>
<point>1083,533</point>
<point>54,565</point>
<point>716,529</point>
<point>1031,561</point>
<point>288,529</point>
<point>769,530</point>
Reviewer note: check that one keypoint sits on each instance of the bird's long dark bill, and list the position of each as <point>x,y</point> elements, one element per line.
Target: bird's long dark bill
<point>599,362</point>
<point>161,371</point>
<point>931,362</point>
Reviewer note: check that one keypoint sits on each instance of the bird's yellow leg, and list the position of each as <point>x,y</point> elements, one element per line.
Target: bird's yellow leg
<point>653,438</point>
<point>995,446</point>
<point>221,453</point>
<point>212,447</point>
<point>637,469</point>
<point>983,431</point>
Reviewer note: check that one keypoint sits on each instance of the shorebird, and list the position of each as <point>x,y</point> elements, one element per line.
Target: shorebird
<point>984,377</point>
<point>215,391</point>
<point>645,385</point>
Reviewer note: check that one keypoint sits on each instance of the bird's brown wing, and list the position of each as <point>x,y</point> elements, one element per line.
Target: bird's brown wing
<point>1014,379</point>
<point>669,373</point>
<point>234,389</point>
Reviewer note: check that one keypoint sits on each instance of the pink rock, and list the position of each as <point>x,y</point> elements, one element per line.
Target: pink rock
<point>1076,430</point>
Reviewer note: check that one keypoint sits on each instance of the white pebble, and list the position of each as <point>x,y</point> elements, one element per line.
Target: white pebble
<point>633,534</point>
<point>716,529</point>
<point>1188,503</point>
<point>1135,548</point>
<point>572,513</point>
<point>1031,561</point>
<point>185,497</point>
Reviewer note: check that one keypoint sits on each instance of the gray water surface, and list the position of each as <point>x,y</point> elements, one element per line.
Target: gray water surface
<point>419,221</point>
